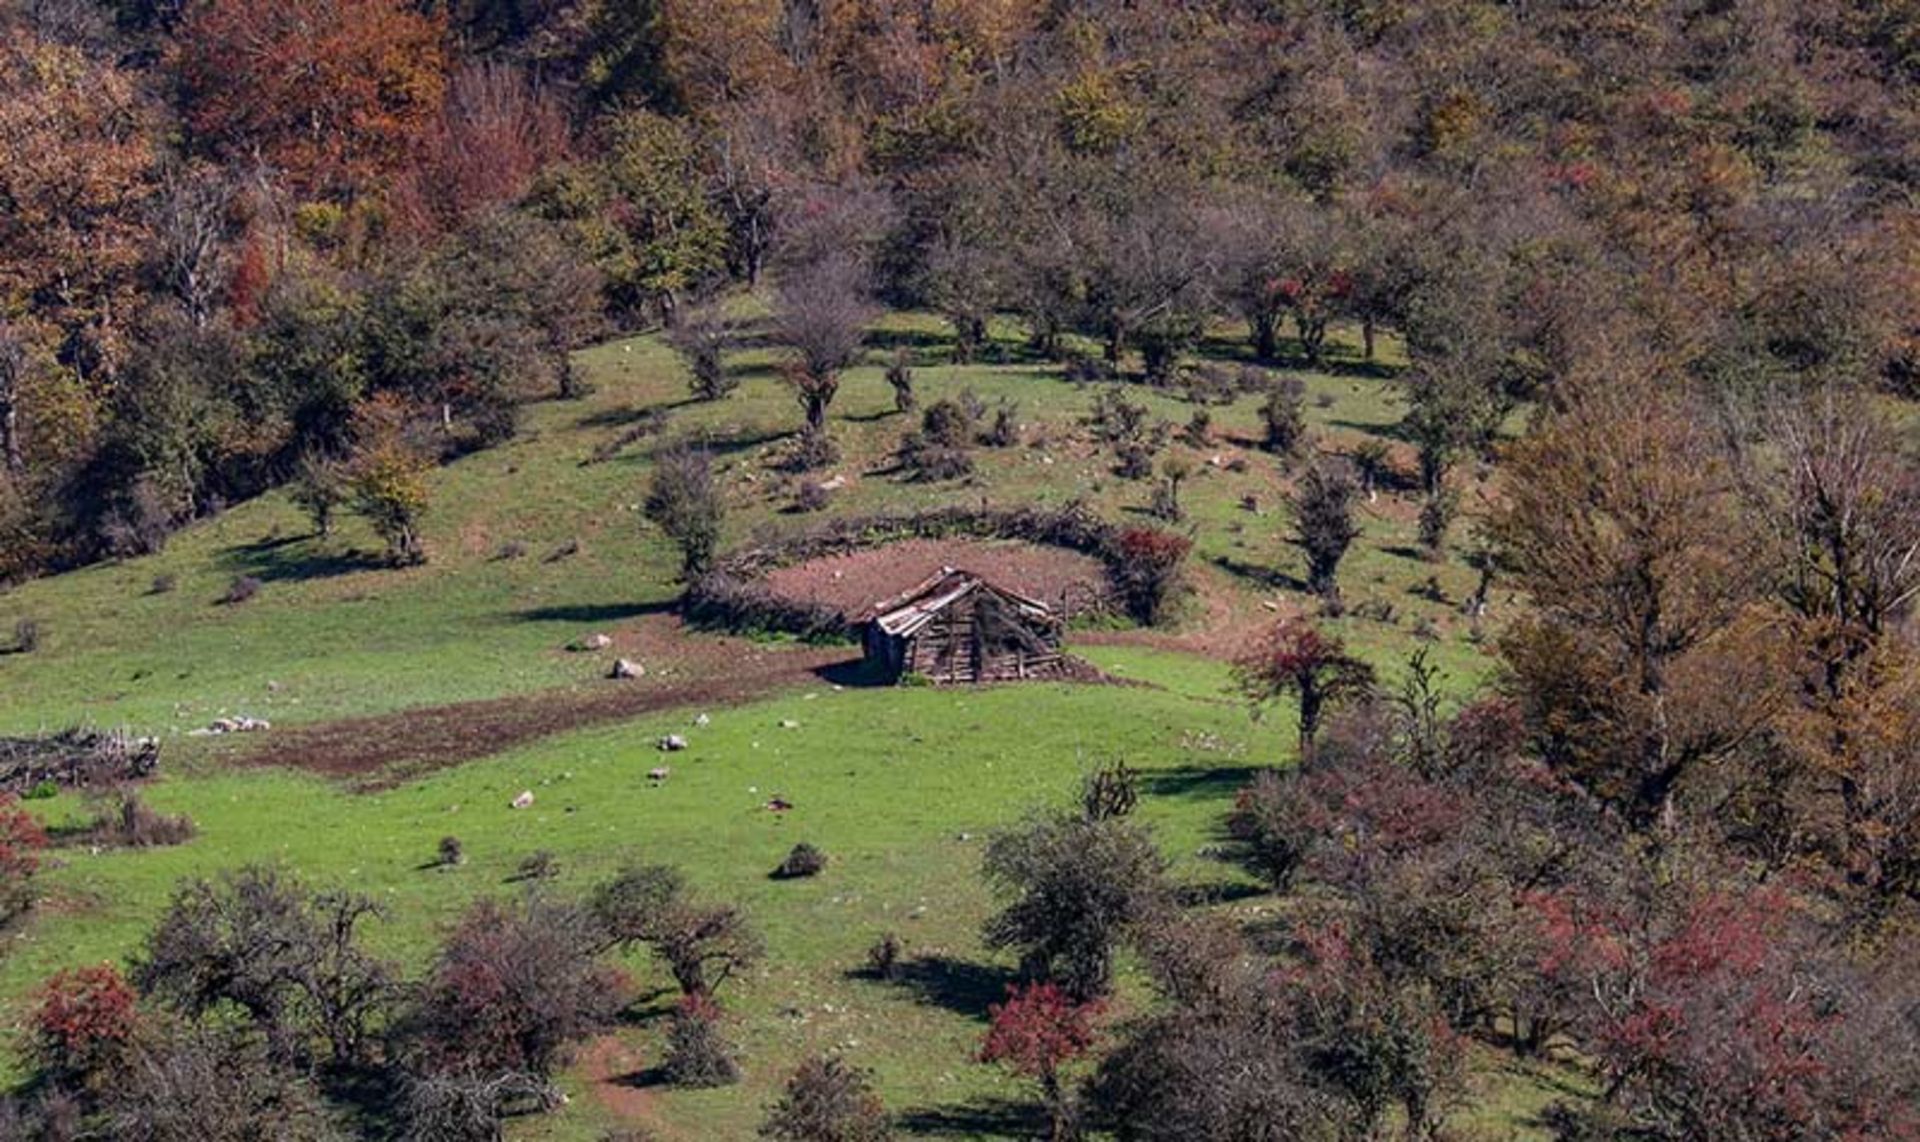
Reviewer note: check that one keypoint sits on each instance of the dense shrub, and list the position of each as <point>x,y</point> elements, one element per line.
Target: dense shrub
<point>900,379</point>
<point>1147,570</point>
<point>21,842</point>
<point>701,336</point>
<point>685,501</point>
<point>132,823</point>
<point>827,1100</point>
<point>697,1053</point>
<point>1275,827</point>
<point>450,852</point>
<point>82,1024</point>
<point>804,860</point>
<point>511,992</point>
<point>288,959</point>
<point>241,590</point>
<point>883,957</point>
<point>1072,888</point>
<point>1323,524</point>
<point>1284,418</point>
<point>210,1084</point>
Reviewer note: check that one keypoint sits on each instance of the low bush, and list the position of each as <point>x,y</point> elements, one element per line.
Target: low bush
<point>805,860</point>
<point>698,1055</point>
<point>451,852</point>
<point>242,589</point>
<point>827,1100</point>
<point>883,957</point>
<point>26,637</point>
<point>132,823</point>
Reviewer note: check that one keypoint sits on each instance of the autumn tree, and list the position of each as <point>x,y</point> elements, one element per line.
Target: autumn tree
<point>1295,658</point>
<point>83,1023</point>
<point>335,93</point>
<point>77,167</point>
<point>1034,1033</point>
<point>495,131</point>
<point>21,842</point>
<point>1619,521</point>
<point>511,992</point>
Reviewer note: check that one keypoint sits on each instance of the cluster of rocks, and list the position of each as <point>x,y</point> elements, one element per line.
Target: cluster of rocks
<point>235,725</point>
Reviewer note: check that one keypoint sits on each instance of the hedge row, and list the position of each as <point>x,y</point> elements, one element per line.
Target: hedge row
<point>734,594</point>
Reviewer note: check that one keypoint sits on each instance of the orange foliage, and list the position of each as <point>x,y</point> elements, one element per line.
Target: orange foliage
<point>336,93</point>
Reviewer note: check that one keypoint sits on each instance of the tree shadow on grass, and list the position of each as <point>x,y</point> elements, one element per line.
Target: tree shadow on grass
<point>1200,782</point>
<point>593,612</point>
<point>291,561</point>
<point>985,1116</point>
<point>959,986</point>
<point>1270,578</point>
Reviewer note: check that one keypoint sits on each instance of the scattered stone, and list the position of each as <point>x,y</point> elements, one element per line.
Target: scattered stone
<point>778,804</point>
<point>627,668</point>
<point>236,725</point>
<point>524,801</point>
<point>659,773</point>
<point>965,837</point>
<point>592,642</point>
<point>702,720</point>
<point>834,484</point>
<point>672,743</point>
<point>789,724</point>
<point>273,687</point>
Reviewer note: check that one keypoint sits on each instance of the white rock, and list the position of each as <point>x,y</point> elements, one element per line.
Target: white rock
<point>672,743</point>
<point>789,724</point>
<point>659,773</point>
<point>702,720</point>
<point>627,668</point>
<point>524,801</point>
<point>594,642</point>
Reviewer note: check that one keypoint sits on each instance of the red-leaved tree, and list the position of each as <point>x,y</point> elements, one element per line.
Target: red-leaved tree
<point>1295,658</point>
<point>335,93</point>
<point>1037,1031</point>
<point>83,1022</point>
<point>21,839</point>
<point>1149,569</point>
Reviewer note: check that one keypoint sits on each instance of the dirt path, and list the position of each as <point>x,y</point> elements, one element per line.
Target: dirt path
<point>686,669</point>
<point>387,749</point>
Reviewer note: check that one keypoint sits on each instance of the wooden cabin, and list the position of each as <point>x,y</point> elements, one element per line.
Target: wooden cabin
<point>957,627</point>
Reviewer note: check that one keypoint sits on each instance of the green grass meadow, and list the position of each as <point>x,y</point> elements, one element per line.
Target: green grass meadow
<point>900,786</point>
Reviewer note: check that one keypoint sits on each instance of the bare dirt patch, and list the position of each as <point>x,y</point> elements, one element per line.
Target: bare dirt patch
<point>683,670</point>
<point>853,582</point>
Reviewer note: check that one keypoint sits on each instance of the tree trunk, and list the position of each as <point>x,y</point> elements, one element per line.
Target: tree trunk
<point>1266,336</point>
<point>1366,337</point>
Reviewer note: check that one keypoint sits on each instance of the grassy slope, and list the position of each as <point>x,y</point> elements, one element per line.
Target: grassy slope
<point>886,781</point>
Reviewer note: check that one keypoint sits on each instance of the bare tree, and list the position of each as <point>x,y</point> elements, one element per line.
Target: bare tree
<point>823,316</point>
<point>13,368</point>
<point>191,223</point>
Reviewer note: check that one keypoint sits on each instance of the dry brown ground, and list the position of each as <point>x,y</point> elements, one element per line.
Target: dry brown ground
<point>853,582</point>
